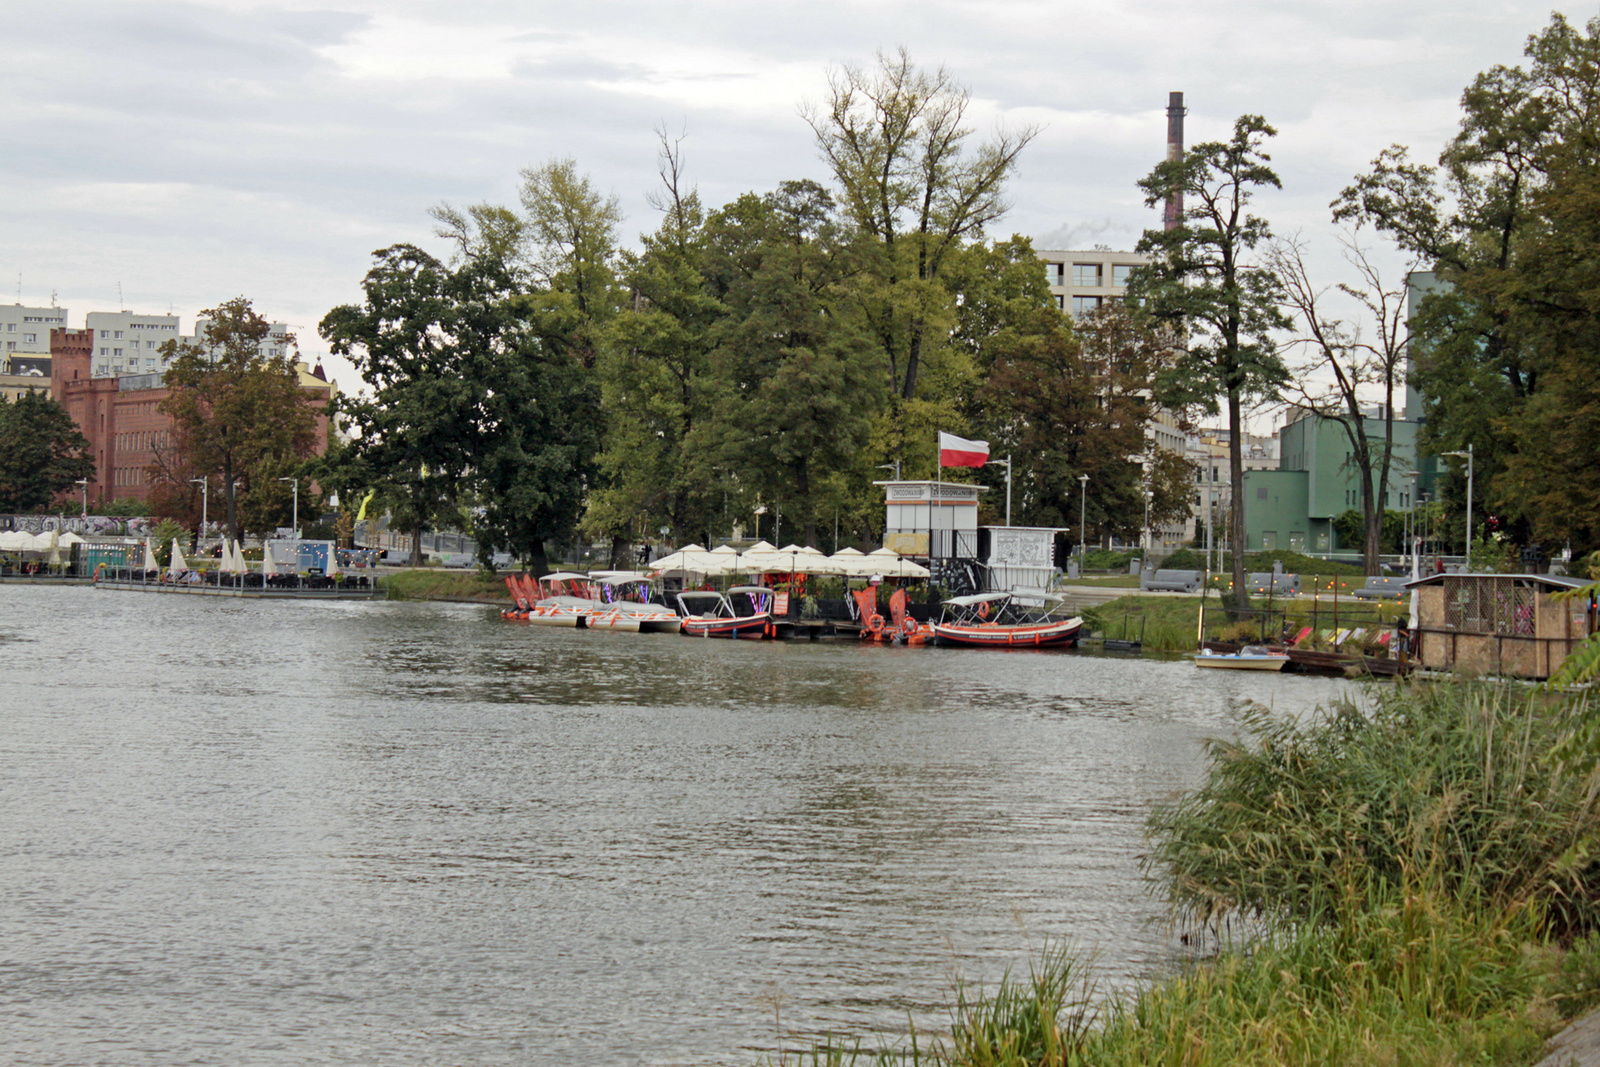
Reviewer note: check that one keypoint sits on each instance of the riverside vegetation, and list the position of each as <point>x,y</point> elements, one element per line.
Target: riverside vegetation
<point>1410,880</point>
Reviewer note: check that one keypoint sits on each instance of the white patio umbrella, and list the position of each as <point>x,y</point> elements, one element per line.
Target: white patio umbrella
<point>726,559</point>
<point>792,559</point>
<point>852,562</point>
<point>691,558</point>
<point>268,567</point>
<point>16,541</point>
<point>69,539</point>
<point>150,563</point>
<point>890,564</point>
<point>178,563</point>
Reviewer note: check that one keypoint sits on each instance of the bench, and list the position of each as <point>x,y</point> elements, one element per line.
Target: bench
<point>1177,581</point>
<point>1262,583</point>
<point>1381,588</point>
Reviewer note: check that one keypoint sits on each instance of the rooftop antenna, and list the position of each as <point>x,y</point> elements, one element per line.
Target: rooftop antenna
<point>120,302</point>
<point>52,298</point>
<point>19,287</point>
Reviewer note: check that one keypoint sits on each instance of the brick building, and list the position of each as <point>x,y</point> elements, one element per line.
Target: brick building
<point>121,418</point>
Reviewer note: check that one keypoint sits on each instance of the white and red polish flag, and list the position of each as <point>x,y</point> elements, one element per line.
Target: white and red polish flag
<point>959,452</point>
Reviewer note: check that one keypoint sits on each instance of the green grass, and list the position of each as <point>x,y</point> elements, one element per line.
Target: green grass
<point>431,583</point>
<point>1170,622</point>
<point>1420,875</point>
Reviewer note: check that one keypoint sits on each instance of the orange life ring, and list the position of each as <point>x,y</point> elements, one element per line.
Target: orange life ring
<point>908,626</point>
<point>875,624</point>
<point>983,610</point>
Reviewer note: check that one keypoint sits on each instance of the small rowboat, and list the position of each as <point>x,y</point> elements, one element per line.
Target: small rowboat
<point>999,620</point>
<point>1248,658</point>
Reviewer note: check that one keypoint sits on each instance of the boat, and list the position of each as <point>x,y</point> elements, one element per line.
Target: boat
<point>1003,620</point>
<point>1248,658</point>
<point>536,603</point>
<point>622,602</point>
<point>743,611</point>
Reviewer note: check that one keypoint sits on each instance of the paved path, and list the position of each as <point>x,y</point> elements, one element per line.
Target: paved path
<point>1576,1046</point>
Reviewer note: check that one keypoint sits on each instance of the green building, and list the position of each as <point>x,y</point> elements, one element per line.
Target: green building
<point>1294,506</point>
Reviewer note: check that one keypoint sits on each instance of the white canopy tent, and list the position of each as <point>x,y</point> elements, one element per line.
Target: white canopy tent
<point>890,564</point>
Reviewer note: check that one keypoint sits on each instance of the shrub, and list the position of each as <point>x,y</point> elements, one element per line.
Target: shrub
<point>1450,785</point>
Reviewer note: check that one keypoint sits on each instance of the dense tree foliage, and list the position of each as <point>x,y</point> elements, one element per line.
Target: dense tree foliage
<point>764,358</point>
<point>240,418</point>
<point>1506,343</point>
<point>42,453</point>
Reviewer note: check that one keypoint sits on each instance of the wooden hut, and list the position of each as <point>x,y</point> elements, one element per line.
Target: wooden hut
<point>1509,624</point>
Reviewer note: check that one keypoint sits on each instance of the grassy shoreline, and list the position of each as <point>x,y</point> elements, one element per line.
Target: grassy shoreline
<point>1421,874</point>
<point>437,583</point>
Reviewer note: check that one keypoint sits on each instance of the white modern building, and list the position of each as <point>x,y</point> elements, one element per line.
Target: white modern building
<point>25,331</point>
<point>126,342</point>
<point>1082,281</point>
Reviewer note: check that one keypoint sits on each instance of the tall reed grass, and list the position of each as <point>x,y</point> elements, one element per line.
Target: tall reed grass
<point>1412,880</point>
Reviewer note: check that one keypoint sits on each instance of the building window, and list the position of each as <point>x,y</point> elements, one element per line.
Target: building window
<point>11,327</point>
<point>1052,273</point>
<point>1061,303</point>
<point>104,334</point>
<point>1119,274</point>
<point>1086,274</point>
<point>1082,305</point>
<point>30,338</point>
<point>105,351</point>
<point>119,335</point>
<point>116,352</point>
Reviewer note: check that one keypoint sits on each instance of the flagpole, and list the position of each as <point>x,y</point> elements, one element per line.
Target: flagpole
<point>938,488</point>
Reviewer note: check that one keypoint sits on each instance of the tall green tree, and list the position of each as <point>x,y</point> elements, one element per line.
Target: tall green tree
<point>896,137</point>
<point>797,378</point>
<point>654,371</point>
<point>42,453</point>
<point>233,408</point>
<point>1068,400</point>
<point>1507,220</point>
<point>1206,282</point>
<point>418,431</point>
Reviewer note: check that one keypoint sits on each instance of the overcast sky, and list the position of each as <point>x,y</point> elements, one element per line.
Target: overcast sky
<point>195,151</point>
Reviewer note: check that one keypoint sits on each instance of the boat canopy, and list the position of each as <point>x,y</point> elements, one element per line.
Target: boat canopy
<point>977,598</point>
<point>564,576</point>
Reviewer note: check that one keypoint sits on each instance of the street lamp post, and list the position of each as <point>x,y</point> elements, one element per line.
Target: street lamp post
<point>296,519</point>
<point>895,466</point>
<point>205,494</point>
<point>84,482</point>
<point>1466,554</point>
<point>1083,523</point>
<point>761,509</point>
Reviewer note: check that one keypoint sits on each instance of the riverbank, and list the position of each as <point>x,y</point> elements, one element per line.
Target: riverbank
<point>1414,881</point>
<point>471,586</point>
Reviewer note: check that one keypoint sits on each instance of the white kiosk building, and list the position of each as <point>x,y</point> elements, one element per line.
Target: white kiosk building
<point>938,521</point>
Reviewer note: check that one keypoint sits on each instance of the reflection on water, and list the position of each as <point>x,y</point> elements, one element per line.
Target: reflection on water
<point>411,833</point>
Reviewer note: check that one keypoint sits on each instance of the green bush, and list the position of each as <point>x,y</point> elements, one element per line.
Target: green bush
<point>1101,559</point>
<point>1454,787</point>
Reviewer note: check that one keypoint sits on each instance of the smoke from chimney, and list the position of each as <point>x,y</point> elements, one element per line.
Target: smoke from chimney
<point>1175,113</point>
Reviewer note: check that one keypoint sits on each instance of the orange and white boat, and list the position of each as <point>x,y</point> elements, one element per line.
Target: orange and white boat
<point>1002,620</point>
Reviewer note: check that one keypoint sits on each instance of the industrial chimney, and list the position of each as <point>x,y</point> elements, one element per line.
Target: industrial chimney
<point>1175,113</point>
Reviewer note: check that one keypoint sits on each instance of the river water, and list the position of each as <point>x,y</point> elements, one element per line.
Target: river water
<point>264,832</point>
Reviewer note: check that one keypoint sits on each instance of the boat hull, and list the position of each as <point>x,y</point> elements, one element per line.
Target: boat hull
<point>751,626</point>
<point>1237,662</point>
<point>990,635</point>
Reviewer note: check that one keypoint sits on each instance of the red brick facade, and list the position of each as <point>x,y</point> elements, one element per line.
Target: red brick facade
<point>123,425</point>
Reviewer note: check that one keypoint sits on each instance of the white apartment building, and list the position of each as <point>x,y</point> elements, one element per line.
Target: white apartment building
<point>126,342</point>
<point>1082,281</point>
<point>25,331</point>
